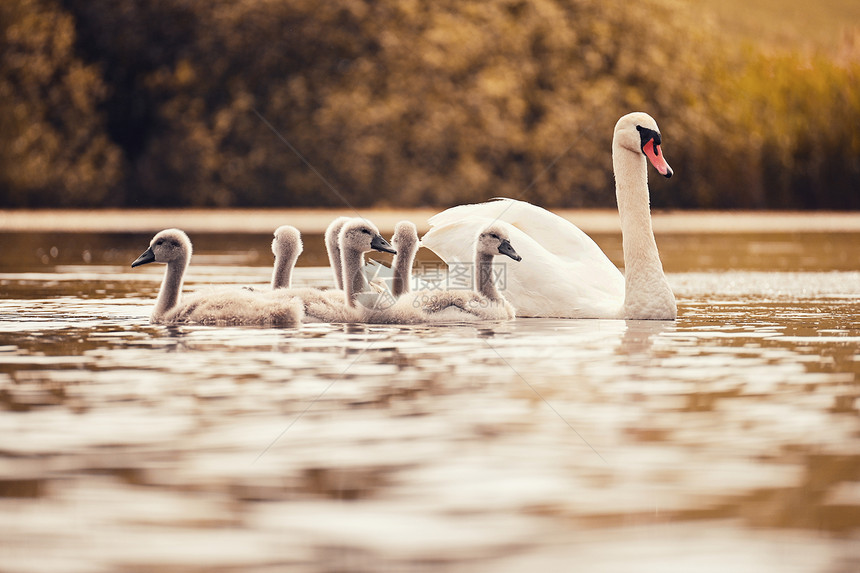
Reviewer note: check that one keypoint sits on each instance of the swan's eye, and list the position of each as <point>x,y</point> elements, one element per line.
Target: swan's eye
<point>159,242</point>
<point>366,232</point>
<point>646,135</point>
<point>495,236</point>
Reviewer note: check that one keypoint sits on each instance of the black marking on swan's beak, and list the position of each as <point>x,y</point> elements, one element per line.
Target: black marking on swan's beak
<point>505,248</point>
<point>646,135</point>
<point>381,245</point>
<point>147,257</point>
<point>650,144</point>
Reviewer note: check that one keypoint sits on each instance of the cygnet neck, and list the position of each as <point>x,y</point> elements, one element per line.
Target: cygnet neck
<point>332,244</point>
<point>486,278</point>
<point>353,277</point>
<point>402,265</point>
<point>171,287</point>
<point>282,275</point>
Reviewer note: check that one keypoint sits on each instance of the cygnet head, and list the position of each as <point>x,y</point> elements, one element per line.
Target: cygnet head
<point>494,241</point>
<point>362,236</point>
<point>334,228</point>
<point>405,236</point>
<point>287,242</point>
<point>638,133</point>
<point>168,246</point>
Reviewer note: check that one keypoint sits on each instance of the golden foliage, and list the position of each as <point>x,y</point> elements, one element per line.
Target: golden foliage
<point>408,103</point>
<point>53,148</point>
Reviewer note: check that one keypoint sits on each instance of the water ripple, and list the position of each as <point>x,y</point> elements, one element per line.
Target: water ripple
<point>125,445</point>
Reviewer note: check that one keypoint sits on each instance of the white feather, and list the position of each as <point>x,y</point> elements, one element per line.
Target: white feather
<point>548,281</point>
<point>563,272</point>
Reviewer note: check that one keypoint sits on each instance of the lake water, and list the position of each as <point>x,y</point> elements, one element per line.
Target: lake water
<point>726,441</point>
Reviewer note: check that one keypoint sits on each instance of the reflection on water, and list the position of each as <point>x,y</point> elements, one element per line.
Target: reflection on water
<point>729,440</point>
<point>35,252</point>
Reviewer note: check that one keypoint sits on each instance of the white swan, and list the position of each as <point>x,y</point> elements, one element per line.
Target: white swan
<point>223,306</point>
<point>286,246</point>
<point>457,305</point>
<point>564,273</point>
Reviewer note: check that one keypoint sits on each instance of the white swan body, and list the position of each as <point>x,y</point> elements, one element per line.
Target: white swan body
<point>218,306</point>
<point>563,272</point>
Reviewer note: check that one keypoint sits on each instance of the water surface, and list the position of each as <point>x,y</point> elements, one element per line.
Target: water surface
<point>727,440</point>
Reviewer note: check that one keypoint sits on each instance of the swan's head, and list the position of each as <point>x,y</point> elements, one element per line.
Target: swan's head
<point>166,247</point>
<point>405,236</point>
<point>638,132</point>
<point>494,241</point>
<point>360,235</point>
<point>287,242</point>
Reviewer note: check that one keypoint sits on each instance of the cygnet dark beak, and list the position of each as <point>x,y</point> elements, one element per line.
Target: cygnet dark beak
<point>505,248</point>
<point>147,257</point>
<point>381,245</point>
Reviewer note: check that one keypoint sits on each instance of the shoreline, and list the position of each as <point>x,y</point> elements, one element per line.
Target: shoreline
<point>314,221</point>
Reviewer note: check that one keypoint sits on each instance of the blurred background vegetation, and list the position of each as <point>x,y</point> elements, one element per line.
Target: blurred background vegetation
<point>141,103</point>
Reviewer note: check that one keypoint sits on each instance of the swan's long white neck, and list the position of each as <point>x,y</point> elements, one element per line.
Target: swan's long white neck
<point>353,277</point>
<point>647,293</point>
<point>486,282</point>
<point>171,287</point>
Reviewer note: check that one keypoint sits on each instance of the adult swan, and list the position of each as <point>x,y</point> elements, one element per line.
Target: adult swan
<point>563,272</point>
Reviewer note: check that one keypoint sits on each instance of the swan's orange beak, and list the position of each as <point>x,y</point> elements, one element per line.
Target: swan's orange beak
<point>655,155</point>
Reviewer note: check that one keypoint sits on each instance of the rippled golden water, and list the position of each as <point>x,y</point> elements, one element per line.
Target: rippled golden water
<point>726,441</point>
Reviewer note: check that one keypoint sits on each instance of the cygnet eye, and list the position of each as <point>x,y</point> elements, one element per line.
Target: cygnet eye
<point>159,242</point>
<point>366,232</point>
<point>495,236</point>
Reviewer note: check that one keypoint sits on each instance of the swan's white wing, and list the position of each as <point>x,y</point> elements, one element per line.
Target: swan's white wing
<point>454,240</point>
<point>555,234</point>
<point>580,283</point>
